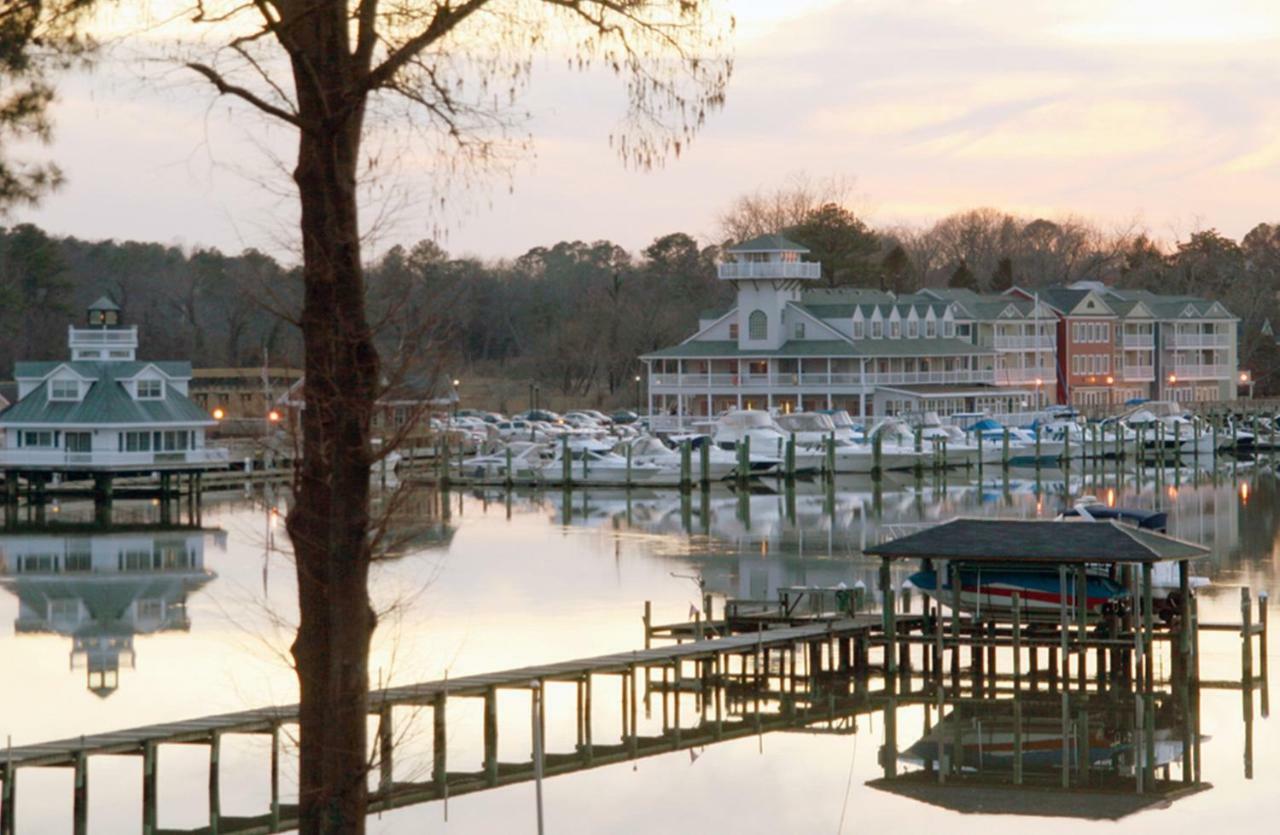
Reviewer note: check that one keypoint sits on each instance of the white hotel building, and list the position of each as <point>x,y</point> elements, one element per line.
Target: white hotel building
<point>790,346</point>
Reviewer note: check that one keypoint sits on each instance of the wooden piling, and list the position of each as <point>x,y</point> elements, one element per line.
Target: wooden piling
<point>439,742</point>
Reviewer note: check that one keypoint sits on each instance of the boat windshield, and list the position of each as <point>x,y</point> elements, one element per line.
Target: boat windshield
<point>747,420</point>
<point>806,422</point>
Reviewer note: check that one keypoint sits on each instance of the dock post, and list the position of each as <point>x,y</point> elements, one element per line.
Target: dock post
<point>8,798</point>
<point>1036,431</point>
<point>1082,625</point>
<point>1017,734</point>
<point>954,569</point>
<point>80,811</point>
<point>275,776</point>
<point>789,459</point>
<point>1064,672</point>
<point>634,740</point>
<point>937,643</point>
<point>566,463</point>
<point>1148,626</point>
<point>889,616</point>
<point>704,460</point>
<point>536,720</point>
<point>439,742</point>
<point>1246,640</point>
<point>491,735</point>
<point>1004,453</point>
<point>877,451</point>
<point>150,797</point>
<point>586,718</point>
<point>508,479</point>
<point>678,687</point>
<point>981,454</point>
<point>829,460</point>
<point>1066,738</point>
<point>215,791</point>
<point>648,624</point>
<point>386,742</point>
<point>1262,650</point>
<point>686,465</point>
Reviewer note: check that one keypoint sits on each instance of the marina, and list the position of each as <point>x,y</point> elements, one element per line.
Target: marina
<point>817,658</point>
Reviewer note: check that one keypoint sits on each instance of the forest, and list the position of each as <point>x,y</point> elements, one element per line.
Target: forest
<point>573,316</point>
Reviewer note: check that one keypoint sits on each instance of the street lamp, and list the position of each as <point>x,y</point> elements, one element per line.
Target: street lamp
<point>638,409</point>
<point>456,398</point>
<point>219,414</point>
<point>1039,397</point>
<point>1246,379</point>
<point>1111,392</point>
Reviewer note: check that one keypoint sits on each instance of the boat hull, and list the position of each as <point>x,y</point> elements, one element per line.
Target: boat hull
<point>991,592</point>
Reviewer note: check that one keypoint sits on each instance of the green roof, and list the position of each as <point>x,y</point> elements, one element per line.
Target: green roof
<point>826,348</point>
<point>768,243</point>
<point>106,402</point>
<point>729,348</point>
<point>104,303</point>
<point>90,369</point>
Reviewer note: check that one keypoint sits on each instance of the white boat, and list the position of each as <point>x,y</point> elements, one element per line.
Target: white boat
<point>595,462</point>
<point>721,464</point>
<point>1167,425</point>
<point>757,429</point>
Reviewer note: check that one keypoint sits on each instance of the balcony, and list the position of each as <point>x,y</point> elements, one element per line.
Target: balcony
<point>1198,340</point>
<point>100,337</point>
<point>1019,376</point>
<point>1026,343</point>
<point>962,376</point>
<point>753,382</point>
<point>1137,340</point>
<point>1203,372</point>
<point>1137,373</point>
<point>61,459</point>
<point>769,269</point>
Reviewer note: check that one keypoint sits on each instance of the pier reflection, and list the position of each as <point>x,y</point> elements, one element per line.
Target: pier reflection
<point>102,585</point>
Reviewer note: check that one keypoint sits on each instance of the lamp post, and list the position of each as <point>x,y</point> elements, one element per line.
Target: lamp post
<point>1173,379</point>
<point>1111,392</point>
<point>638,409</point>
<point>456,397</point>
<point>1039,394</point>
<point>1246,379</point>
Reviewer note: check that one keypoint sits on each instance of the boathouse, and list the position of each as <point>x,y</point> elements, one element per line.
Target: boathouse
<point>103,412</point>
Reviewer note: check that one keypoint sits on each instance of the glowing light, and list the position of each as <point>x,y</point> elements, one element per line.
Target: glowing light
<point>1244,376</point>
<point>218,414</point>
<point>1173,492</point>
<point>1173,378</point>
<point>1244,492</point>
<point>273,416</point>
<point>457,383</point>
<point>1111,497</point>
<point>1110,380</point>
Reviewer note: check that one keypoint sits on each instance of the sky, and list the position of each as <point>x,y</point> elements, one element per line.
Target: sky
<point>1160,115</point>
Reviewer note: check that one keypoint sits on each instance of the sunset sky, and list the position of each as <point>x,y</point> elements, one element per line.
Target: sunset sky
<point>1161,114</point>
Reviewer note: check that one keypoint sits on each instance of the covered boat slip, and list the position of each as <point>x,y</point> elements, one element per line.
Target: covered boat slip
<point>1054,567</point>
<point>1076,598</point>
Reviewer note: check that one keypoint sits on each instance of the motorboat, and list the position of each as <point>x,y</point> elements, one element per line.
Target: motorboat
<point>989,590</point>
<point>721,464</point>
<point>757,429</point>
<point>1025,446</point>
<point>898,439</point>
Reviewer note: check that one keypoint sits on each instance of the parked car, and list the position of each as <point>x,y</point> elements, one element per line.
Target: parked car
<point>597,416</point>
<point>624,416</point>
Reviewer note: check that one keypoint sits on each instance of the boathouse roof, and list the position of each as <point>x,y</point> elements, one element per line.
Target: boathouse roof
<point>1038,541</point>
<point>107,401</point>
<point>768,243</point>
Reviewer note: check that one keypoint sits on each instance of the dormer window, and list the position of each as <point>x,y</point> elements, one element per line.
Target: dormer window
<point>859,328</point>
<point>877,330</point>
<point>895,329</point>
<point>150,389</point>
<point>799,330</point>
<point>949,328</point>
<point>930,328</point>
<point>64,389</point>
<point>913,329</point>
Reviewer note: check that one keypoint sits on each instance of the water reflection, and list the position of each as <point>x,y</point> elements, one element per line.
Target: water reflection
<point>102,589</point>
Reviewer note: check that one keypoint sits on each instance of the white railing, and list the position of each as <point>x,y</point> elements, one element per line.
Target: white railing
<point>967,375</point>
<point>1005,376</point>
<point>769,269</point>
<point>35,457</point>
<point>1138,340</point>
<point>1198,340</point>
<point>95,336</point>
<point>1138,372</point>
<point>1202,372</point>
<point>1025,343</point>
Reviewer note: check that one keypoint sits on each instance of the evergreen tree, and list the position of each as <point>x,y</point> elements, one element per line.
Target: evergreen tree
<point>1002,275</point>
<point>963,278</point>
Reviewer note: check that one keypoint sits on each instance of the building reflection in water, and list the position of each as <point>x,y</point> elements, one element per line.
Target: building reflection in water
<point>102,589</point>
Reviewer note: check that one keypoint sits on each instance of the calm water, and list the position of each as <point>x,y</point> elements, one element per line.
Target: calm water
<point>485,582</point>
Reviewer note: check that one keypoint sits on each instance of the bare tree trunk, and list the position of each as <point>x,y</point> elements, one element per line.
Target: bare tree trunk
<point>329,523</point>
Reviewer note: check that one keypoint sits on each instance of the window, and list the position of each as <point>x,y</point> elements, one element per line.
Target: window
<point>962,330</point>
<point>877,330</point>
<point>135,442</point>
<point>733,330</point>
<point>931,328</point>
<point>64,390</point>
<point>948,328</point>
<point>757,325</point>
<point>895,329</point>
<point>859,328</point>
<point>1106,363</point>
<point>799,330</point>
<point>1106,332</point>
<point>913,329</point>
<point>38,439</point>
<point>79,442</point>
<point>150,389</point>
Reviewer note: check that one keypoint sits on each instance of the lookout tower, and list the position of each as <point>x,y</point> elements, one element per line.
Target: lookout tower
<point>769,274</point>
<point>104,339</point>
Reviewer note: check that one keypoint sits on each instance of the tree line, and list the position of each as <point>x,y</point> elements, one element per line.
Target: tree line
<point>574,316</point>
